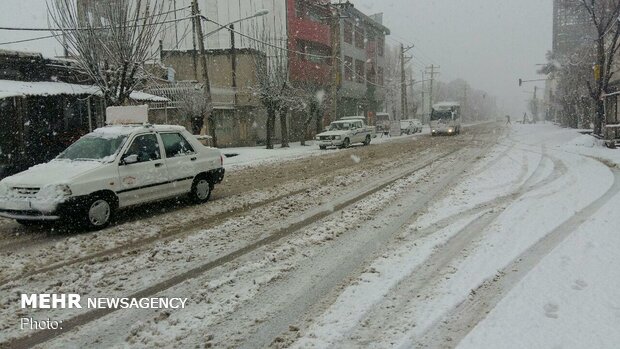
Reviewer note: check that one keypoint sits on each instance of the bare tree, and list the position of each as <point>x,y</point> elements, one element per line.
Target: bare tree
<point>573,73</point>
<point>604,16</point>
<point>273,86</point>
<point>111,40</point>
<point>192,104</point>
<point>310,101</point>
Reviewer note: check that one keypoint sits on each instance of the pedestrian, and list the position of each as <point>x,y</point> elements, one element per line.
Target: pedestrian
<point>524,118</point>
<point>508,120</point>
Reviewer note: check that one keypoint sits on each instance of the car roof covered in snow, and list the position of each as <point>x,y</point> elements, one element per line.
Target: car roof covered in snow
<point>126,130</point>
<point>443,105</point>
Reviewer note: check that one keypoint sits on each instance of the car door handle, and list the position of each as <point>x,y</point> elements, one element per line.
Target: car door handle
<point>158,165</point>
<point>194,158</point>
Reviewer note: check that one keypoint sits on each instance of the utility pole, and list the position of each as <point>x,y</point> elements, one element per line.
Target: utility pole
<point>412,83</point>
<point>465,101</point>
<point>205,74</point>
<point>194,31</point>
<point>233,60</point>
<point>403,81</point>
<point>535,117</point>
<point>336,66</point>
<point>432,78</point>
<point>423,95</point>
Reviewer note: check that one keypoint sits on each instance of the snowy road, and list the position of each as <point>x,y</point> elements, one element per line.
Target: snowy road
<point>484,240</point>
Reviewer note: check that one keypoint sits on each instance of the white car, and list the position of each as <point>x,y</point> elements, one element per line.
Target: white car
<point>410,126</point>
<point>109,169</point>
<point>417,124</point>
<point>343,133</point>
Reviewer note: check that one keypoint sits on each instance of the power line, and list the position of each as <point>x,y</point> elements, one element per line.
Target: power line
<point>101,28</point>
<point>87,29</point>
<point>28,40</point>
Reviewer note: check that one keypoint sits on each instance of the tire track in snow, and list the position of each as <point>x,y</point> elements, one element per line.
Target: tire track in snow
<point>438,266</point>
<point>460,321</point>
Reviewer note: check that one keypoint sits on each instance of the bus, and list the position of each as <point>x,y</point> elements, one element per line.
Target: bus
<point>446,119</point>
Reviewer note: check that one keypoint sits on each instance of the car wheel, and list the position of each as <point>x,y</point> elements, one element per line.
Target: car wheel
<point>346,143</point>
<point>99,212</point>
<point>368,140</point>
<point>201,190</point>
<point>322,147</point>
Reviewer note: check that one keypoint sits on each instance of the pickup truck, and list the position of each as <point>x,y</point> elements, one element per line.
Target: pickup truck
<point>343,133</point>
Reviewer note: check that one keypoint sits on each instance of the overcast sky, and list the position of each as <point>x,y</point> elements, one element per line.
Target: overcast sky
<point>490,43</point>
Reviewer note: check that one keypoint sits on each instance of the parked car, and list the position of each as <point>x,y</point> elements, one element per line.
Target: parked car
<point>109,169</point>
<point>410,126</point>
<point>417,124</point>
<point>343,133</point>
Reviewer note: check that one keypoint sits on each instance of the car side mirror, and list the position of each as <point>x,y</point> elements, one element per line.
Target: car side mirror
<point>130,159</point>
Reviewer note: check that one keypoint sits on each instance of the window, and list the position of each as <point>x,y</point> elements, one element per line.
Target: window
<point>176,145</point>
<point>380,76</point>
<point>314,52</point>
<point>348,68</point>
<point>381,46</point>
<point>146,147</point>
<point>348,32</point>
<point>359,70</point>
<point>359,37</point>
<point>300,9</point>
<point>94,147</point>
<point>307,11</point>
<point>371,73</point>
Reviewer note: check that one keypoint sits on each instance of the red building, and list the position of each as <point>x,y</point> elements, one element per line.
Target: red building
<point>309,31</point>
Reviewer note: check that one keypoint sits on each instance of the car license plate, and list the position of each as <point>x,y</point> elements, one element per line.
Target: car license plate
<point>15,205</point>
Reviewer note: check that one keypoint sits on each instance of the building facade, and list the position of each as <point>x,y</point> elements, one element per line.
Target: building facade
<point>362,62</point>
<point>572,26</point>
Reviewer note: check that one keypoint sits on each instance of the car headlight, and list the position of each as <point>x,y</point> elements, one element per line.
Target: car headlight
<point>450,130</point>
<point>337,138</point>
<point>4,190</point>
<point>54,192</point>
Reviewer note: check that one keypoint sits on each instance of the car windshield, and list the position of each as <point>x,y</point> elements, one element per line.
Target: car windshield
<point>340,126</point>
<point>441,115</point>
<point>93,147</point>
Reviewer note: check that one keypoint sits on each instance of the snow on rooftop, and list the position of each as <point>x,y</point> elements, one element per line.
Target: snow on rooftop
<point>13,88</point>
<point>143,96</point>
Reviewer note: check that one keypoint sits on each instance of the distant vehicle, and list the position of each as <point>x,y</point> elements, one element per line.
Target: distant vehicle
<point>383,123</point>
<point>446,119</point>
<point>343,133</point>
<point>417,124</point>
<point>410,126</point>
<point>112,168</point>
